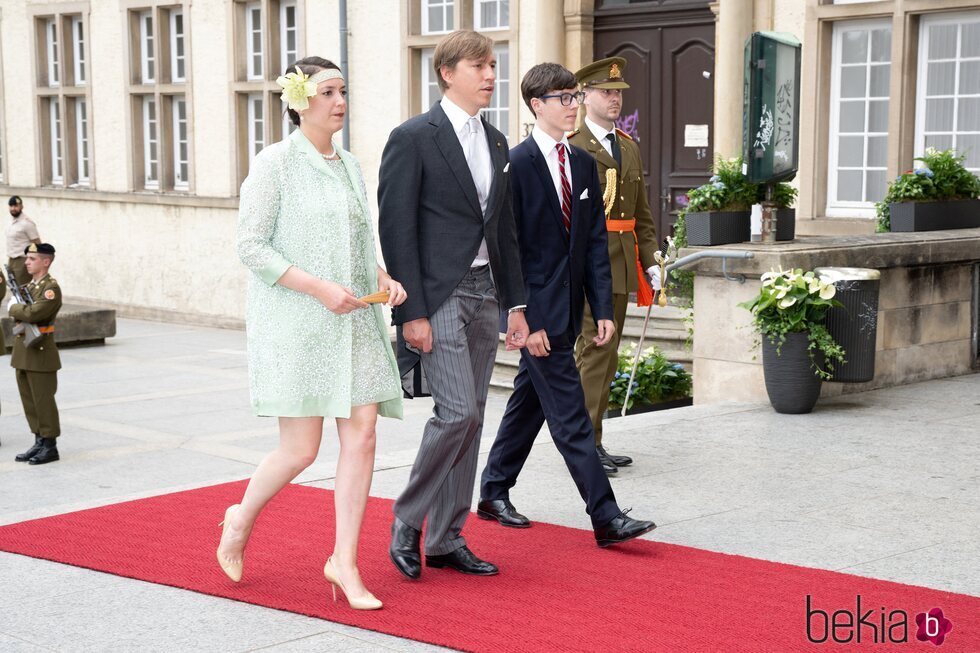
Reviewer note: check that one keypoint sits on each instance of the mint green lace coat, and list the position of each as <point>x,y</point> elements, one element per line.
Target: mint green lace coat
<point>304,360</point>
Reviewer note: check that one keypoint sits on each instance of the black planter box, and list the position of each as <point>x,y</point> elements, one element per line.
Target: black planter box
<point>785,224</point>
<point>649,408</point>
<point>932,216</point>
<point>718,227</point>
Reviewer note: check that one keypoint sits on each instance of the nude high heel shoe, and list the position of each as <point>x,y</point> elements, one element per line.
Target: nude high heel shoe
<point>232,569</point>
<point>369,602</point>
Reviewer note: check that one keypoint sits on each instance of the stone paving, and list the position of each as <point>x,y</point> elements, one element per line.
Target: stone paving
<point>881,484</point>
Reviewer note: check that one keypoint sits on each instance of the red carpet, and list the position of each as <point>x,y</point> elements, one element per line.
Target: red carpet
<point>557,590</point>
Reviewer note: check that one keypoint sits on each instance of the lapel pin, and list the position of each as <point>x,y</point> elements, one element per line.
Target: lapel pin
<point>498,143</point>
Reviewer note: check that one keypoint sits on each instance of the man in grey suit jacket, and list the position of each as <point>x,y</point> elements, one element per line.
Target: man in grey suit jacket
<point>447,232</point>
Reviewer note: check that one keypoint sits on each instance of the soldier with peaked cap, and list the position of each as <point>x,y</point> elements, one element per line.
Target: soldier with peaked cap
<point>37,366</point>
<point>631,234</point>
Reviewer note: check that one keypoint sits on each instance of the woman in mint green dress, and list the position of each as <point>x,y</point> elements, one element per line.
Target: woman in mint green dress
<point>314,349</point>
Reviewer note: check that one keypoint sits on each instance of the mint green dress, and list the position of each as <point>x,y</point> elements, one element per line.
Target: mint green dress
<point>304,360</point>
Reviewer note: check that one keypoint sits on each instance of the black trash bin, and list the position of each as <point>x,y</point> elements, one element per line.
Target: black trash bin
<point>855,326</point>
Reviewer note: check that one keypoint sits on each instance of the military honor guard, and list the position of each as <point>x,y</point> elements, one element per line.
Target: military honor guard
<point>37,364</point>
<point>631,234</point>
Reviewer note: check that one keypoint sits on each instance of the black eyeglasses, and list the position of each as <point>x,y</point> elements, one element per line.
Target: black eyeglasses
<point>566,98</point>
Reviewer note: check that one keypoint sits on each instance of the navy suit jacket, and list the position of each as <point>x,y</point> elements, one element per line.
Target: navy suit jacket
<point>561,269</point>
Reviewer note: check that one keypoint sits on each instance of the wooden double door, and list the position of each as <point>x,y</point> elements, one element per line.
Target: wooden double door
<point>669,109</point>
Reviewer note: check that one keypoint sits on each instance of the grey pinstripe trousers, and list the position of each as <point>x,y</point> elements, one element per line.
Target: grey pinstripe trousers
<point>458,369</point>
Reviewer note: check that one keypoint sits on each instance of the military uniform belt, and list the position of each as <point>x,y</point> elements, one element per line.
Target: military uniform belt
<point>621,225</point>
<point>644,293</point>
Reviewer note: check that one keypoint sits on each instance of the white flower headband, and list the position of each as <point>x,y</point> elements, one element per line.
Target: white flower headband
<point>298,87</point>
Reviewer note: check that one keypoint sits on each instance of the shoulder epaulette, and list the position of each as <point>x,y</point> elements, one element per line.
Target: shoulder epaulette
<point>623,134</point>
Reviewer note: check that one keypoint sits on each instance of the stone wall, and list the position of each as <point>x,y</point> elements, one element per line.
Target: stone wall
<point>927,317</point>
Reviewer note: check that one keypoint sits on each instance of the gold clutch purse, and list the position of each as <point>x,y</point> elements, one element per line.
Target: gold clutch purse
<point>380,297</point>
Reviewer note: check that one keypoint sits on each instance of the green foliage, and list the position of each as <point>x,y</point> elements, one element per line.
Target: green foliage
<point>726,190</point>
<point>940,177</point>
<point>783,195</point>
<point>791,301</point>
<point>657,379</point>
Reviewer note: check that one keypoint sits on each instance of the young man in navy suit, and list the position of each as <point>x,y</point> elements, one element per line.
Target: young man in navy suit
<point>562,236</point>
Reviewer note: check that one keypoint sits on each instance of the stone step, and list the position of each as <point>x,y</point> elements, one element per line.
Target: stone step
<point>667,330</point>
<point>75,325</point>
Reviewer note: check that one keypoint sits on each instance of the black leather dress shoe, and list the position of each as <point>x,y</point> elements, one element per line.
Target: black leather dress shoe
<point>47,454</point>
<point>462,560</point>
<point>30,453</point>
<point>404,549</point>
<point>608,466</point>
<point>618,461</point>
<point>504,512</point>
<point>621,529</point>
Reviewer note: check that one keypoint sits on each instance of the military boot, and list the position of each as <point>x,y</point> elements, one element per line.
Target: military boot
<point>30,453</point>
<point>47,454</point>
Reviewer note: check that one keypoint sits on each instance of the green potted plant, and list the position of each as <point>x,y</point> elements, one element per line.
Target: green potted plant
<point>719,212</point>
<point>784,196</point>
<point>798,352</point>
<point>658,384</point>
<point>939,194</point>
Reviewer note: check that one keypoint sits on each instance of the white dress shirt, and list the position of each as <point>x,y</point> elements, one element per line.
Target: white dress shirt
<point>550,152</point>
<point>477,153</point>
<point>601,134</point>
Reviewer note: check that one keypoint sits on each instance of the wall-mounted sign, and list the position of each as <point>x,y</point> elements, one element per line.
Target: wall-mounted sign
<point>695,136</point>
<point>771,107</point>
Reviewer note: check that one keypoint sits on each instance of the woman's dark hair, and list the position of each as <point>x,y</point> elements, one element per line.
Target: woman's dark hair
<point>310,66</point>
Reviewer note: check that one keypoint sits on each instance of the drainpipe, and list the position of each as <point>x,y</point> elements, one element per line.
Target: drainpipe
<point>343,69</point>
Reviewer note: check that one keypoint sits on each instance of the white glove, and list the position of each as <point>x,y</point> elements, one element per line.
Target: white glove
<point>11,303</point>
<point>655,281</point>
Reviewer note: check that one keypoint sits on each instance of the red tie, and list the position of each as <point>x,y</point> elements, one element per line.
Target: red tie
<point>566,190</point>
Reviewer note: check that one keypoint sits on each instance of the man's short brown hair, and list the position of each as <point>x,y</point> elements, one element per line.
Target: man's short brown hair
<point>461,44</point>
<point>543,78</point>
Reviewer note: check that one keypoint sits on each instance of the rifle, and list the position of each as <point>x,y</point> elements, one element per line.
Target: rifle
<point>32,335</point>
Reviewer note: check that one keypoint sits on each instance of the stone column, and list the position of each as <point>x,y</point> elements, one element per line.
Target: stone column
<point>733,27</point>
<point>579,41</point>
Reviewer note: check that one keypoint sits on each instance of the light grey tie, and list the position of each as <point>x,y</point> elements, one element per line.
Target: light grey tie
<point>475,160</point>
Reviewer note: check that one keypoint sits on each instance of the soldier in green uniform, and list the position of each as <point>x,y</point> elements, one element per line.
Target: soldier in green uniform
<point>631,233</point>
<point>37,367</point>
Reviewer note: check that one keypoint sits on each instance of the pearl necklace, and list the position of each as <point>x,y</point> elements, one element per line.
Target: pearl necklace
<point>329,157</point>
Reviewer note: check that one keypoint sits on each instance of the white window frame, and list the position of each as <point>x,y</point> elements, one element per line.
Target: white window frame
<point>57,147</point>
<point>287,56</point>
<point>448,8</point>
<point>180,136</point>
<point>500,102</point>
<point>254,25</point>
<point>252,119</point>
<point>287,125</point>
<point>151,137</point>
<point>427,77</point>
<point>478,15</point>
<point>148,67</point>
<point>923,73</point>
<point>178,60</point>
<point>837,208</point>
<point>78,43</point>
<point>82,154</point>
<point>54,60</point>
